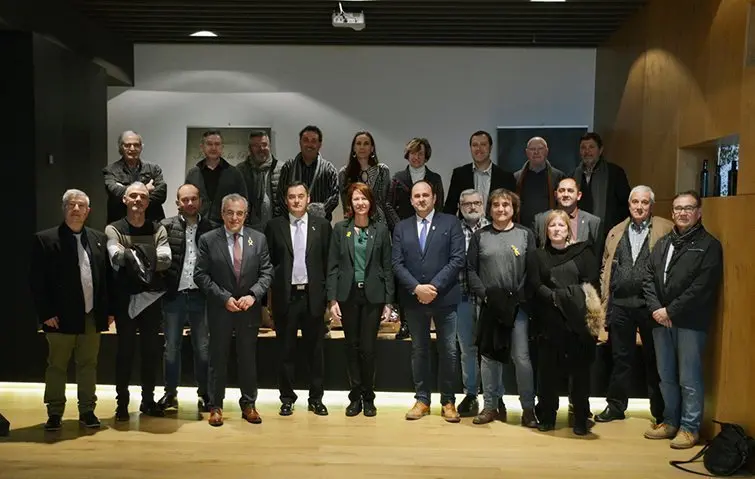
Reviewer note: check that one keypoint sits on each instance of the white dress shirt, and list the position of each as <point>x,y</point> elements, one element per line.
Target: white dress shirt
<point>186,280</point>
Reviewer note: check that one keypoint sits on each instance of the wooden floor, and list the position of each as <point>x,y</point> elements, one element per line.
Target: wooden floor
<point>307,446</point>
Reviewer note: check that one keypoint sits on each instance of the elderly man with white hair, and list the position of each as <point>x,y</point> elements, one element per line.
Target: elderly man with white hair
<point>131,168</point>
<point>536,182</point>
<point>628,248</point>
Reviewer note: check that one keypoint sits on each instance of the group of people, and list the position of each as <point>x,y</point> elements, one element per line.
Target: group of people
<point>506,258</point>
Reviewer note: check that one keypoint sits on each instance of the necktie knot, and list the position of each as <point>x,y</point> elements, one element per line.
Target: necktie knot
<point>424,221</point>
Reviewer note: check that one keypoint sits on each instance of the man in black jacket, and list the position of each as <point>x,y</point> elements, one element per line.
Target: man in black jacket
<point>481,175</point>
<point>681,290</point>
<point>128,169</point>
<point>71,288</point>
<point>183,302</point>
<point>215,178</point>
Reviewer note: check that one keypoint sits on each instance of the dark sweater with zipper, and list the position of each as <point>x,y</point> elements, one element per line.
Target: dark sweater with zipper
<point>628,275</point>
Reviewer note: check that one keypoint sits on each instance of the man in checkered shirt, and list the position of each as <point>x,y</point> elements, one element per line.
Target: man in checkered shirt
<point>472,211</point>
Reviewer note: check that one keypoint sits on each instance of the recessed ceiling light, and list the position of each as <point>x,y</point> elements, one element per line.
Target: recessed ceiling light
<point>204,33</point>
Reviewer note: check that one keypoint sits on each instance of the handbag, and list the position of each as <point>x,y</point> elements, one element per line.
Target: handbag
<point>725,454</point>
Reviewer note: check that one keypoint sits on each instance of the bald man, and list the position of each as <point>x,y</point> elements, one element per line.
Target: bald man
<point>183,302</point>
<point>129,169</point>
<point>536,182</point>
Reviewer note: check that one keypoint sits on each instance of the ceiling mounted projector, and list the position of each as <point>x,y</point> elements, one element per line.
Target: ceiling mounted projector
<point>342,19</point>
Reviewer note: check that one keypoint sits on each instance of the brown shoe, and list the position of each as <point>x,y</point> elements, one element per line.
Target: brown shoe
<point>216,417</point>
<point>418,411</point>
<point>684,440</point>
<point>662,431</point>
<point>251,415</point>
<point>449,413</point>
<point>485,416</point>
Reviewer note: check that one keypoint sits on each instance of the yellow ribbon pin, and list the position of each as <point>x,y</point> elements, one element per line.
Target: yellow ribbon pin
<point>515,250</point>
<point>251,243</point>
<point>348,234</point>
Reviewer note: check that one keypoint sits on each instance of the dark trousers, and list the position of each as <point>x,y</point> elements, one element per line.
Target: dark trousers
<point>312,331</point>
<point>147,323</point>
<point>624,323</point>
<point>222,324</point>
<point>556,365</point>
<point>361,321</point>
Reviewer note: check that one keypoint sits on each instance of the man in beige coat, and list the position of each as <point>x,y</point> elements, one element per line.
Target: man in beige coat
<point>625,258</point>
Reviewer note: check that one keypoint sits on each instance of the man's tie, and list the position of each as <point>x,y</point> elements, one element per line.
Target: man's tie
<point>299,273</point>
<point>423,235</point>
<point>85,269</point>
<point>237,252</point>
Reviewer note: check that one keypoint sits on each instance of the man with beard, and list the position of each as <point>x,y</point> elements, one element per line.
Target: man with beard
<point>261,171</point>
<point>681,291</point>
<point>183,301</point>
<point>318,175</point>
<point>471,207</point>
<point>584,226</point>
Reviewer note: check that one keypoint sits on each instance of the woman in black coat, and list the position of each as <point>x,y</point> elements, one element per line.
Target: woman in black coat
<point>568,316</point>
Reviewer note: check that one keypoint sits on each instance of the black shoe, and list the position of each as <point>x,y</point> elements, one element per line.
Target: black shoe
<point>203,404</point>
<point>369,408</point>
<point>88,419</point>
<point>528,418</point>
<point>609,414</point>
<point>354,408</point>
<point>121,414</point>
<point>580,430</point>
<point>546,426</point>
<point>403,332</point>
<point>286,409</point>
<point>54,423</point>
<point>151,409</point>
<point>318,408</point>
<point>469,406</point>
<point>168,401</point>
<point>502,414</point>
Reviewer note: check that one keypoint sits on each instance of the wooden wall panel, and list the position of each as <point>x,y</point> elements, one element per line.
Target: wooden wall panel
<point>674,78</point>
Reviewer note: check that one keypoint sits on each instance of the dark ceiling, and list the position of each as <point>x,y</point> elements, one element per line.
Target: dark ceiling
<point>500,23</point>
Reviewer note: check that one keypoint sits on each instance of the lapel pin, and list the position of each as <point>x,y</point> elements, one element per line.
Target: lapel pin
<point>313,228</point>
<point>433,228</point>
<point>516,251</point>
<point>251,243</point>
<point>348,234</point>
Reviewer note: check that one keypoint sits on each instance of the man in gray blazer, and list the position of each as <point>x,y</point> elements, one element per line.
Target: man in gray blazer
<point>587,227</point>
<point>234,272</point>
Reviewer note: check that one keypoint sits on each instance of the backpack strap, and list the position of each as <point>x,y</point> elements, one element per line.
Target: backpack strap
<point>677,464</point>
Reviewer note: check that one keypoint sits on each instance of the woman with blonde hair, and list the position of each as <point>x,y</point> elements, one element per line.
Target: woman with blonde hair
<point>563,276</point>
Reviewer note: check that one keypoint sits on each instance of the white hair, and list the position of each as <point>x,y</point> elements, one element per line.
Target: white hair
<point>537,138</point>
<point>71,194</point>
<point>135,184</point>
<point>128,133</point>
<point>643,189</point>
<point>234,197</point>
<point>469,192</point>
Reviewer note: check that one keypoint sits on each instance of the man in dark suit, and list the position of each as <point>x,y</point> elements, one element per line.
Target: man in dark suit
<point>481,175</point>
<point>299,245</point>
<point>71,290</point>
<point>428,254</point>
<point>234,272</point>
<point>586,226</point>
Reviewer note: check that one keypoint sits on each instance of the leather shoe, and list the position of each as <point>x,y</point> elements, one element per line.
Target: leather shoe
<point>203,404</point>
<point>216,417</point>
<point>168,401</point>
<point>318,408</point>
<point>403,332</point>
<point>528,418</point>
<point>609,414</point>
<point>469,406</point>
<point>369,408</point>
<point>354,408</point>
<point>449,413</point>
<point>286,409</point>
<point>485,416</point>
<point>418,411</point>
<point>251,415</point>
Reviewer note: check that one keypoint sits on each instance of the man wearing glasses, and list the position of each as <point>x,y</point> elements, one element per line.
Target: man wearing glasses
<point>473,218</point>
<point>681,289</point>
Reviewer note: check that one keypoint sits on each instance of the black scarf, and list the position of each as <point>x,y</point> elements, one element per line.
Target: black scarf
<point>682,241</point>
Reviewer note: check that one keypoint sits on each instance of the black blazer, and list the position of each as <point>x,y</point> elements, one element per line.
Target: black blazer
<point>278,233</point>
<point>462,178</point>
<point>399,204</point>
<point>230,181</point>
<point>56,280</point>
<point>378,274</point>
<point>214,269</point>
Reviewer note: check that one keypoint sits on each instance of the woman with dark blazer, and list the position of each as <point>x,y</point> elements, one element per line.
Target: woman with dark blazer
<point>360,288</point>
<point>363,166</point>
<point>568,315</point>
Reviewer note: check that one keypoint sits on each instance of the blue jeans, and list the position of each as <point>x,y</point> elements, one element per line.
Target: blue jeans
<point>492,370</point>
<point>465,333</point>
<point>185,307</point>
<point>445,329</point>
<point>679,355</point>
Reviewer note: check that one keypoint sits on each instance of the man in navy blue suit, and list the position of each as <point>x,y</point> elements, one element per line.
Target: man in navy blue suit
<point>428,253</point>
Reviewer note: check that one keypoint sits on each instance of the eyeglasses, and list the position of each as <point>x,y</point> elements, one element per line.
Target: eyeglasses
<point>467,204</point>
<point>237,214</point>
<point>686,209</point>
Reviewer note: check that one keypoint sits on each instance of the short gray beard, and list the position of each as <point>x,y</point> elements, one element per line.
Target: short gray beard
<point>471,217</point>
